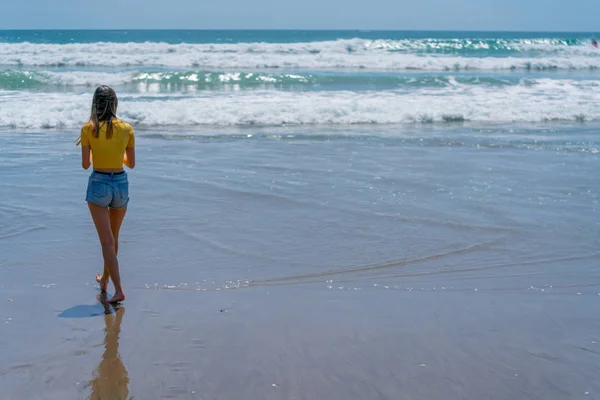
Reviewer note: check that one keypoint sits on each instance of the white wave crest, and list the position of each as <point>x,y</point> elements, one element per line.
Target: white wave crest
<point>354,53</point>
<point>541,100</point>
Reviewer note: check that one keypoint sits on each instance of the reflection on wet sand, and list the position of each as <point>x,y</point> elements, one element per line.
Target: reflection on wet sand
<point>111,379</point>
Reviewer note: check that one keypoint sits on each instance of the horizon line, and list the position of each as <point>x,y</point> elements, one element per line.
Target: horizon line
<point>301,29</point>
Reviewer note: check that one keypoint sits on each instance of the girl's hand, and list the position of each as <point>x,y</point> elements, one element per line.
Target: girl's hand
<point>129,157</point>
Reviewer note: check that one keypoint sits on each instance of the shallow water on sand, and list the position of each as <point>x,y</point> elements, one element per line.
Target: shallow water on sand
<point>400,262</point>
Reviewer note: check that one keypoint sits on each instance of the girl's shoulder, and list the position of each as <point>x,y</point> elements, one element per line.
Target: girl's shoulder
<point>122,124</point>
<point>123,127</point>
<point>83,138</point>
<point>85,129</point>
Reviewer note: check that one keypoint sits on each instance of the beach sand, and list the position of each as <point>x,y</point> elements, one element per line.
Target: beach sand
<point>301,343</point>
<point>312,267</point>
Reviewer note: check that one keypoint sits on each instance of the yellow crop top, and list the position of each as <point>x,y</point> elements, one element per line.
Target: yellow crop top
<point>108,153</point>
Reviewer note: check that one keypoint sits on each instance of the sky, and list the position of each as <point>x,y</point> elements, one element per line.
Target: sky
<point>519,15</point>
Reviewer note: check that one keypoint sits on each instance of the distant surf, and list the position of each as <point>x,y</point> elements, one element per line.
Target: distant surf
<point>398,55</point>
<point>270,78</point>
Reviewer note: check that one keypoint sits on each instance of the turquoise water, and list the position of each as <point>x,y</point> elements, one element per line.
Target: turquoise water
<point>274,36</point>
<point>268,78</point>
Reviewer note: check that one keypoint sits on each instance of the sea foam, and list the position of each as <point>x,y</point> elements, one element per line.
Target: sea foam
<point>544,100</point>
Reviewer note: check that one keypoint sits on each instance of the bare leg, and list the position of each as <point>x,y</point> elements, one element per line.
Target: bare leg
<point>103,279</point>
<point>101,217</point>
<point>116,219</point>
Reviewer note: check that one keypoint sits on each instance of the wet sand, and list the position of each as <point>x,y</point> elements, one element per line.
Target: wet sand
<point>302,343</point>
<point>451,265</point>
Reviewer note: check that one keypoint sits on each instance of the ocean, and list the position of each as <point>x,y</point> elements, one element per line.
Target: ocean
<point>313,215</point>
<point>172,79</point>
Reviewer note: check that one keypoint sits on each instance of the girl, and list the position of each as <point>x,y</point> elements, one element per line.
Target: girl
<point>110,143</point>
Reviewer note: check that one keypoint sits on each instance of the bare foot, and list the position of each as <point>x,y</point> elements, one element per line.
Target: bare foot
<point>118,297</point>
<point>102,282</point>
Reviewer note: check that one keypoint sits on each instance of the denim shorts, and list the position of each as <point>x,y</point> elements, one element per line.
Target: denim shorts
<point>108,189</point>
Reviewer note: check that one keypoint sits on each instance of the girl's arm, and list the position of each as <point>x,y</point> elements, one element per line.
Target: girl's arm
<point>86,157</point>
